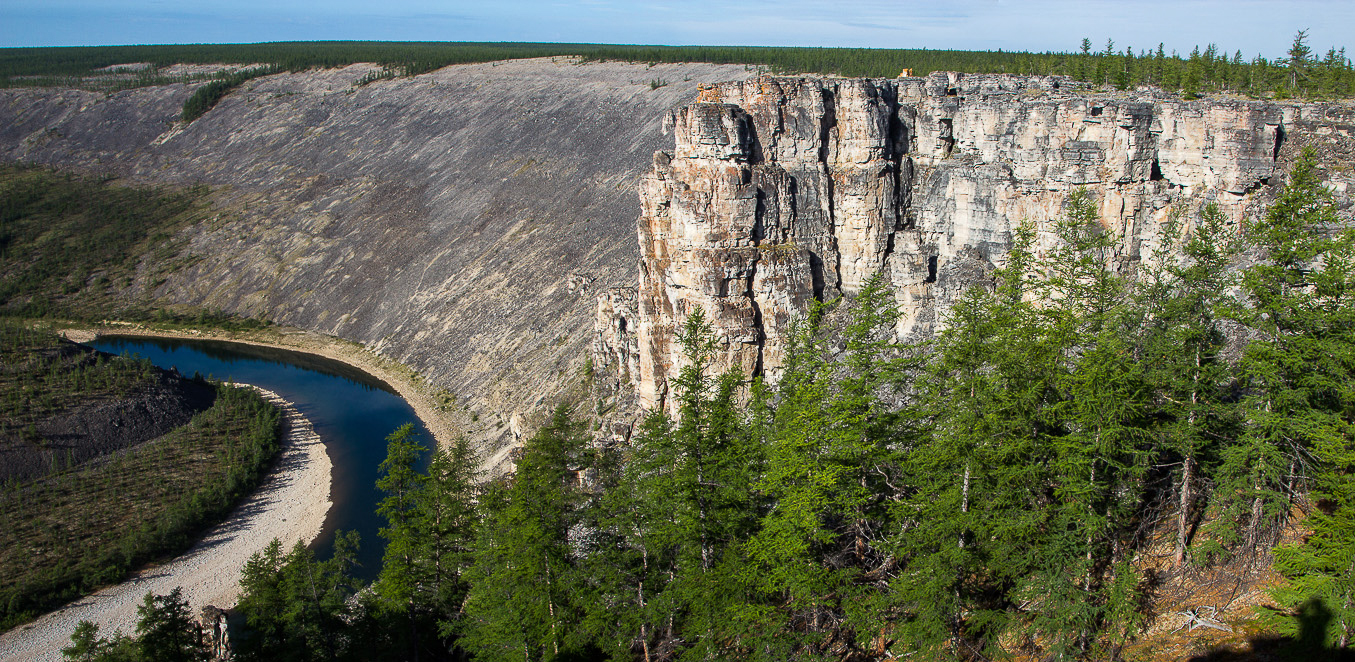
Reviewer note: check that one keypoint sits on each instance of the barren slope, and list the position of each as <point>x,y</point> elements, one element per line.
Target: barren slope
<point>461,221</point>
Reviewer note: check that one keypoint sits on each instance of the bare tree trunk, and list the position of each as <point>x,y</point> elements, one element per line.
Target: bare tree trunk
<point>1254,529</point>
<point>1188,468</point>
<point>640,596</point>
<point>964,499</point>
<point>550,606</point>
<point>1183,509</point>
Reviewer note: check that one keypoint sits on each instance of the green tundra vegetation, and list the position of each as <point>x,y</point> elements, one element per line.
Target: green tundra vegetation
<point>88,248</point>
<point>69,244</point>
<point>1009,489</point>
<point>76,528</point>
<point>39,378</point>
<point>1302,72</point>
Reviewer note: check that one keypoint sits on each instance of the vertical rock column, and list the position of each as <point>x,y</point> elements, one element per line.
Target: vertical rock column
<point>711,237</point>
<point>778,191</point>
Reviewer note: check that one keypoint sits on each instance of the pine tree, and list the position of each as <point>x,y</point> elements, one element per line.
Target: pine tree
<point>448,519</point>
<point>1298,61</point>
<point>828,470</point>
<point>1097,449</point>
<point>166,631</point>
<point>629,611</point>
<point>521,604</point>
<point>976,482</point>
<point>1297,365</point>
<point>1318,377</point>
<point>402,573</point>
<point>296,607</point>
<point>1184,303</point>
<point>88,646</point>
<point>716,464</point>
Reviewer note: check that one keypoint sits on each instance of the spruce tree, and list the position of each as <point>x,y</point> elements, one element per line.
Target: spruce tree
<point>1184,303</point>
<point>1296,368</point>
<point>521,603</point>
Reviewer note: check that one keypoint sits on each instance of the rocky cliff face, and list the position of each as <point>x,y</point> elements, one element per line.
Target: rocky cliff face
<point>779,191</point>
<point>464,221</point>
<point>461,221</point>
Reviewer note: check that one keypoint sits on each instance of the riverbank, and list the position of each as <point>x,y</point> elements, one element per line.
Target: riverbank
<point>290,505</point>
<point>423,398</point>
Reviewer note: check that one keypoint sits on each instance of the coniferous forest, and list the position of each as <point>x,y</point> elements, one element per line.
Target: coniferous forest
<point>1024,485</point>
<point>1304,71</point>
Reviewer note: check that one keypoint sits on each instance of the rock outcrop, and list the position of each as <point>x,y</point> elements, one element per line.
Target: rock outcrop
<point>779,191</point>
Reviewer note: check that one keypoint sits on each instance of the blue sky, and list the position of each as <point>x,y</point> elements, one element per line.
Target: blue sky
<point>1253,26</point>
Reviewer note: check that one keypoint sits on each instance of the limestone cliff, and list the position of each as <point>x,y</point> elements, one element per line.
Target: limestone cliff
<point>779,191</point>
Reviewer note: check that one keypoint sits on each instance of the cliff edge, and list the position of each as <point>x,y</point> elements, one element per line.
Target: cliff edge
<point>780,191</point>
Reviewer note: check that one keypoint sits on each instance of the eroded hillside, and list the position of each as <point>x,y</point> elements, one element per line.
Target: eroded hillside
<point>465,222</point>
<point>461,222</point>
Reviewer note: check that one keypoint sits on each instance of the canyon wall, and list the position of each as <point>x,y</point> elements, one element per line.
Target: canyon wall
<point>780,191</point>
<point>465,221</point>
<point>460,221</point>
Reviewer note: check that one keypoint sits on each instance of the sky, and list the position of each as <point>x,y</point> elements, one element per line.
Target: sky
<point>1255,27</point>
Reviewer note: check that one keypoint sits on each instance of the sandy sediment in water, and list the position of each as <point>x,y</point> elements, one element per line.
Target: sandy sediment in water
<point>290,504</point>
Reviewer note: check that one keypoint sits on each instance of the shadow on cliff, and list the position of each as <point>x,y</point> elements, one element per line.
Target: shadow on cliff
<point>1310,644</point>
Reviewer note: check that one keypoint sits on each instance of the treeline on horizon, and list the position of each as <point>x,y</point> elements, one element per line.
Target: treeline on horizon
<point>1027,485</point>
<point>1303,72</point>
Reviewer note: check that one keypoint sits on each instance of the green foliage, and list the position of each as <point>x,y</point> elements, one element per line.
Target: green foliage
<point>43,376</point>
<point>404,487</point>
<point>206,97</point>
<point>298,608</point>
<point>166,631</point>
<point>1184,304</point>
<point>67,534</point>
<point>1321,586</point>
<point>1298,370</point>
<point>988,494</point>
<point>68,242</point>
<point>88,646</point>
<point>521,602</point>
<point>431,527</point>
<point>1301,417</point>
<point>1210,70</point>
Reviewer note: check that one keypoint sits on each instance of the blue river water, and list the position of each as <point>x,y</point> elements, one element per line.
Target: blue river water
<point>352,411</point>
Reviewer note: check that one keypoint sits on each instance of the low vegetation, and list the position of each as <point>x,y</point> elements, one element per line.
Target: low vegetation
<point>1302,72</point>
<point>40,377</point>
<point>88,248</point>
<point>70,245</point>
<point>73,530</point>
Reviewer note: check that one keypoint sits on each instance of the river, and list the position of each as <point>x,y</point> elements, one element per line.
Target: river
<point>351,410</point>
